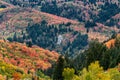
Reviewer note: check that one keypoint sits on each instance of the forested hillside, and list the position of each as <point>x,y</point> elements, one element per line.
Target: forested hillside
<point>14,19</point>
<point>95,11</point>
<point>18,58</point>
<point>97,62</point>
<point>100,17</point>
<point>59,39</point>
<point>85,10</point>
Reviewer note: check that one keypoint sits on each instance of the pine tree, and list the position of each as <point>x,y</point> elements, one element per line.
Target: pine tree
<point>95,52</point>
<point>59,69</point>
<point>15,37</point>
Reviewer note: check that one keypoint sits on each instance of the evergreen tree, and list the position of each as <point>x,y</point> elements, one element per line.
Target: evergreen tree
<point>15,37</point>
<point>117,42</point>
<point>59,69</point>
<point>29,43</point>
<point>95,52</point>
<point>105,61</point>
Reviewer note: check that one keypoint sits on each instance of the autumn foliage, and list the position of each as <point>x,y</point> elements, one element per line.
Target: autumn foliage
<point>110,43</point>
<point>26,57</point>
<point>16,76</point>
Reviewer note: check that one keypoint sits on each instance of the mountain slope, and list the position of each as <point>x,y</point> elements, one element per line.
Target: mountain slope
<point>16,22</point>
<point>19,54</point>
<point>16,19</point>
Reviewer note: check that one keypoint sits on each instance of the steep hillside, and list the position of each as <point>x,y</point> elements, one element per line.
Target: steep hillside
<point>19,54</point>
<point>99,16</point>
<point>33,32</point>
<point>61,38</point>
<point>84,10</point>
<point>16,19</point>
<point>19,24</point>
<point>101,13</point>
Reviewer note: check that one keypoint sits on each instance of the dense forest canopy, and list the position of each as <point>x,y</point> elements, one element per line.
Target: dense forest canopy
<point>47,36</point>
<point>60,39</point>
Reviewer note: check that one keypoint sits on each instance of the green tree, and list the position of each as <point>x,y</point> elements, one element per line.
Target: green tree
<point>89,24</point>
<point>15,37</point>
<point>59,69</point>
<point>95,52</point>
<point>68,73</point>
<point>105,61</point>
<point>94,72</point>
<point>117,42</point>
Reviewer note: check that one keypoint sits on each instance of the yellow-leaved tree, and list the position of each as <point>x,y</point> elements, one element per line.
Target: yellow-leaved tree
<point>94,72</point>
<point>68,74</point>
